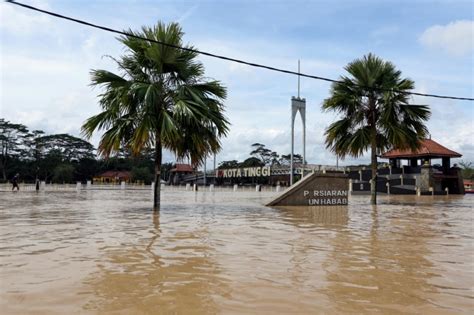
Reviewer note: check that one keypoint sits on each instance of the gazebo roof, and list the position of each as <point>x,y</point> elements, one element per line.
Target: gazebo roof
<point>428,149</point>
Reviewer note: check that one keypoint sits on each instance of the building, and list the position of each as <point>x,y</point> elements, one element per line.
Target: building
<point>429,177</point>
<point>181,173</point>
<point>113,177</point>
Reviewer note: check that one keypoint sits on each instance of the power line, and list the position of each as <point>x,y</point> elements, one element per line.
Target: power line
<point>108,29</point>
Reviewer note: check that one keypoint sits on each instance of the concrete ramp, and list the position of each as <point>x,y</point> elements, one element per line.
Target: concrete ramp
<point>317,189</point>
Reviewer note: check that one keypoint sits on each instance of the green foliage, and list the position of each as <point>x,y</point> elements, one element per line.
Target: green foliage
<point>252,162</point>
<point>228,164</point>
<point>375,112</point>
<point>285,159</point>
<point>165,170</point>
<point>68,148</point>
<point>160,99</point>
<point>372,112</point>
<point>163,99</point>
<point>267,156</point>
<point>14,140</point>
<point>467,170</point>
<point>63,173</point>
<point>142,174</point>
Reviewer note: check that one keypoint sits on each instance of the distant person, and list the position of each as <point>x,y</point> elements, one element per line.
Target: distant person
<point>15,182</point>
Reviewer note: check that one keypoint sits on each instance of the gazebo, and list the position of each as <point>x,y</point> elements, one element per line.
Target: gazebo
<point>431,177</point>
<point>429,150</point>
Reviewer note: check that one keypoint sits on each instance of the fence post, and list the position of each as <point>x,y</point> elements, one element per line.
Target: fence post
<point>235,187</point>
<point>188,186</point>
<point>401,180</point>
<point>211,187</point>
<point>78,185</point>
<point>350,185</point>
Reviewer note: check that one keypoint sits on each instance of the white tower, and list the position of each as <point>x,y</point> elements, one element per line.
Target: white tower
<point>297,105</point>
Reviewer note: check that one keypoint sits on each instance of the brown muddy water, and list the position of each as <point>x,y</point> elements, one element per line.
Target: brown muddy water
<point>105,252</point>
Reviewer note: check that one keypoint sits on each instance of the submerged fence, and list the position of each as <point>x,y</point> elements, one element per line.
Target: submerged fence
<point>42,186</point>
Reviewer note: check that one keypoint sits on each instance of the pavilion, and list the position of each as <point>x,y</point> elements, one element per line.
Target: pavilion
<point>437,177</point>
<point>429,150</point>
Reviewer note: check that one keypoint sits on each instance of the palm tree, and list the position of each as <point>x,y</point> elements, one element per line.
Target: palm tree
<point>375,112</point>
<point>160,99</point>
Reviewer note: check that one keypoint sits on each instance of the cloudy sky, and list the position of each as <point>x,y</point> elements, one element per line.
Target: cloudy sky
<point>45,62</point>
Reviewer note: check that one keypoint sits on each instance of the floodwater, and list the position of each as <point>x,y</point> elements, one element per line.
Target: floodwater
<point>105,252</point>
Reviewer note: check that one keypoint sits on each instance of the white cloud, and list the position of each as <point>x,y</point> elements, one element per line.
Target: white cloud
<point>456,38</point>
<point>17,20</point>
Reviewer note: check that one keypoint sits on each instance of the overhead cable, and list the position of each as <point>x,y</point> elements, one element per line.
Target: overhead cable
<point>108,29</point>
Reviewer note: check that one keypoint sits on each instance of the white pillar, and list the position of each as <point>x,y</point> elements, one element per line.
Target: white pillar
<point>152,187</point>
<point>78,185</point>
<point>258,188</point>
<point>292,144</point>
<point>88,186</point>
<point>278,188</point>
<point>235,187</point>
<point>211,187</point>
<point>388,188</point>
<point>401,180</point>
<point>350,185</point>
<point>122,185</point>
<point>188,186</point>
<point>360,175</point>
<point>195,187</point>
<point>43,185</point>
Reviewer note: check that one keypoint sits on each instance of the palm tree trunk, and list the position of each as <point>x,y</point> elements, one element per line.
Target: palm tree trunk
<point>373,161</point>
<point>158,153</point>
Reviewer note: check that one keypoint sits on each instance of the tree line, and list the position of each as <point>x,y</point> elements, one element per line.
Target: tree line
<point>262,156</point>
<point>63,158</point>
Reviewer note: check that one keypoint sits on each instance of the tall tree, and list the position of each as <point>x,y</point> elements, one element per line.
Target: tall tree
<point>267,156</point>
<point>12,143</point>
<point>69,147</point>
<point>160,99</point>
<point>375,111</point>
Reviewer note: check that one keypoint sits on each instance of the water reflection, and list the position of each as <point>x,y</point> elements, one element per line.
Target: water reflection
<point>328,216</point>
<point>167,273</point>
<point>386,269</point>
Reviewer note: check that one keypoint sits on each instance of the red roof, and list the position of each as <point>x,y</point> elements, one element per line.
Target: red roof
<point>182,168</point>
<point>428,148</point>
<point>115,174</point>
